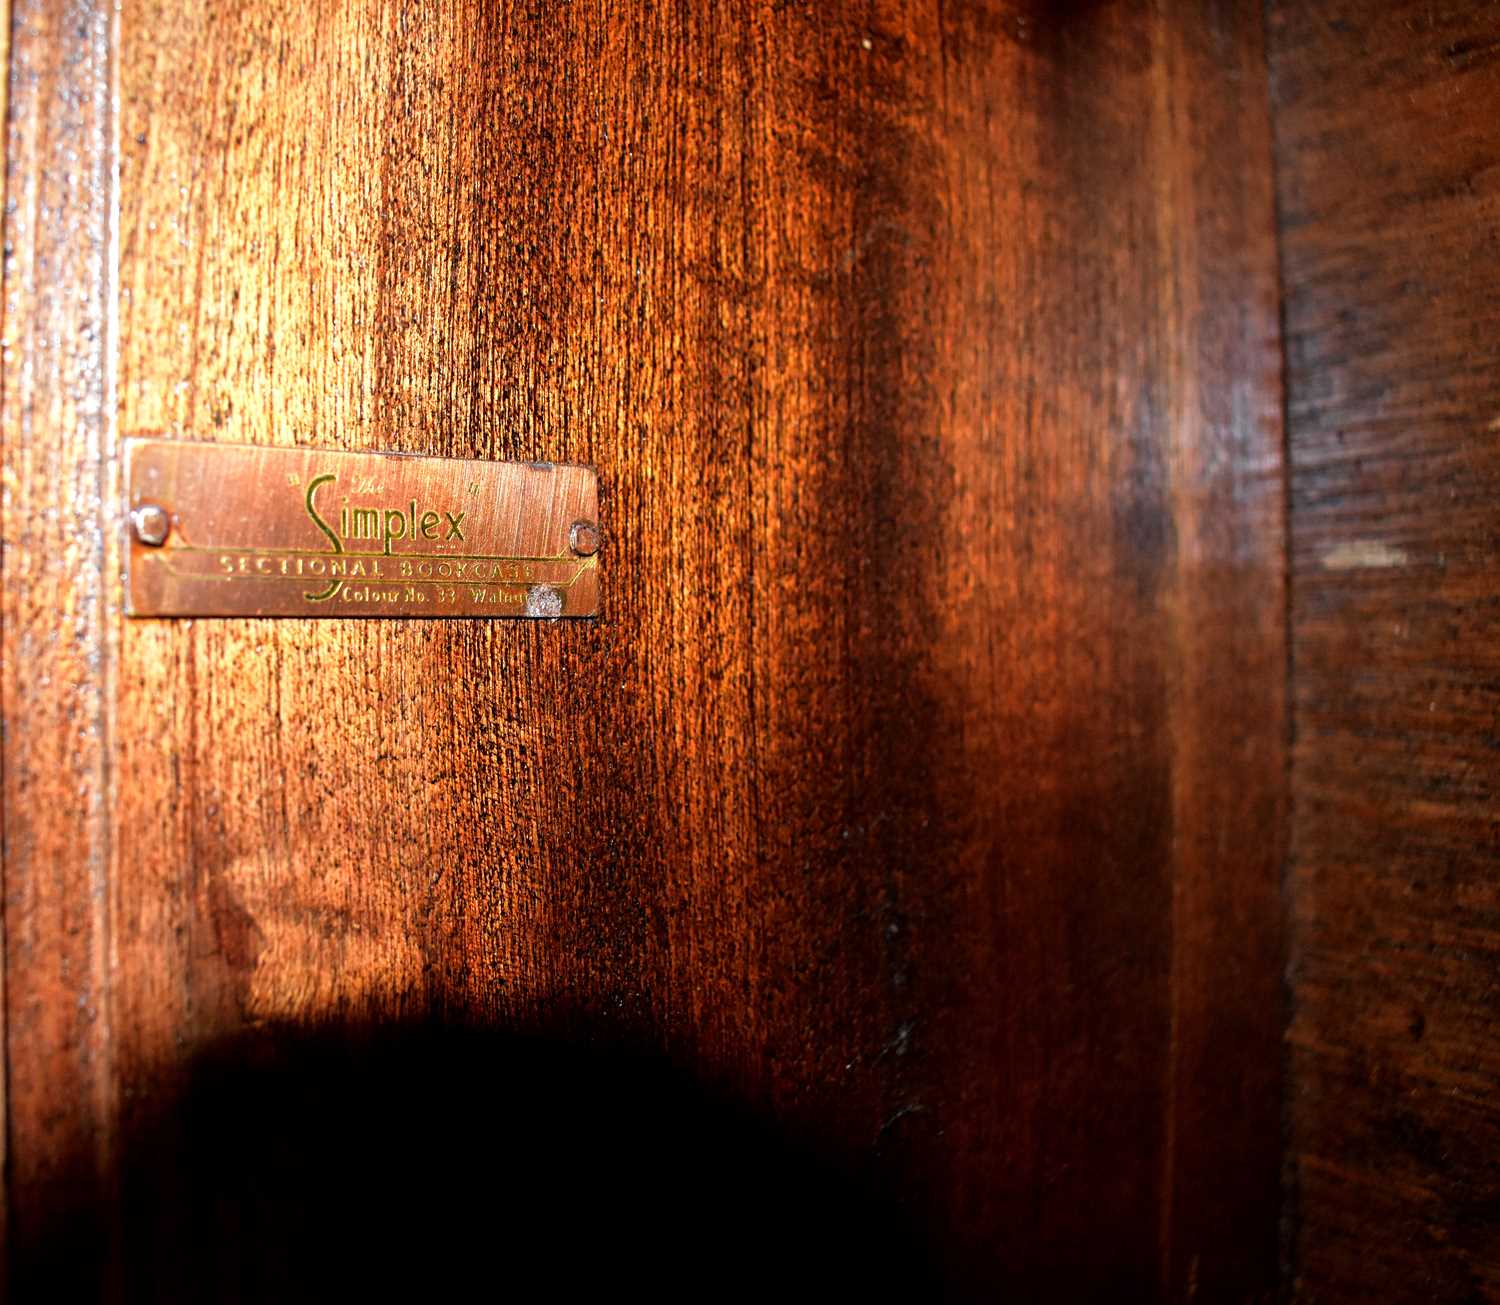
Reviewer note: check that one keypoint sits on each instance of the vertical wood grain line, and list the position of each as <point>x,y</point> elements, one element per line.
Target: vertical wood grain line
<point>4,346</point>
<point>57,591</point>
<point>1220,345</point>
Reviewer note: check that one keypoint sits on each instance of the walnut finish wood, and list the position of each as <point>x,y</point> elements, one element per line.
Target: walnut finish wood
<point>58,613</point>
<point>1388,140</point>
<point>921,791</point>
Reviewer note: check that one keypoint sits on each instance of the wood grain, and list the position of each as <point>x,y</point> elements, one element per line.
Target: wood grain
<point>1387,148</point>
<point>56,688</point>
<point>920,791</point>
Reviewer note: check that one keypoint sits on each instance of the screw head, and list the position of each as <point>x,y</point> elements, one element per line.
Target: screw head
<point>151,524</point>
<point>584,538</point>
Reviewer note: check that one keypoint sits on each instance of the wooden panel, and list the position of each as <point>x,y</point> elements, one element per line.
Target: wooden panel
<point>57,619</point>
<point>1388,138</point>
<point>919,797</point>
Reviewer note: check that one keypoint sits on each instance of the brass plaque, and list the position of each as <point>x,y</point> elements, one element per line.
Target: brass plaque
<point>234,530</point>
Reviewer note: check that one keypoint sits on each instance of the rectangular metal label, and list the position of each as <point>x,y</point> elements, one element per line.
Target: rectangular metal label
<point>235,530</point>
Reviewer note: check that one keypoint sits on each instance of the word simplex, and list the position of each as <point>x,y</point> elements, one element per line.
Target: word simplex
<point>382,524</point>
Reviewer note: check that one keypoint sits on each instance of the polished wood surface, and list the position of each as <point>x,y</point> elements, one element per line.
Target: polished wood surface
<point>920,793</point>
<point>58,630</point>
<point>1388,145</point>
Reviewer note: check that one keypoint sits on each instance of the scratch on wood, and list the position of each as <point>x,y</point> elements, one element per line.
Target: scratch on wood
<point>1363,553</point>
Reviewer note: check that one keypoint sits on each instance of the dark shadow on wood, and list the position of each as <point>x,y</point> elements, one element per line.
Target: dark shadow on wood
<point>425,1163</point>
